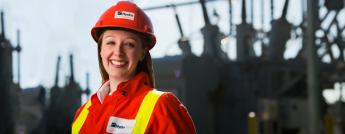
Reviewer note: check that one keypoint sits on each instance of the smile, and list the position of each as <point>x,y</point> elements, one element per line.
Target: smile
<point>118,63</point>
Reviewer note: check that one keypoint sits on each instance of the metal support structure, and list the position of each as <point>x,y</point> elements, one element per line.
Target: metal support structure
<point>178,22</point>
<point>2,25</point>
<point>71,69</point>
<point>286,5</point>
<point>261,32</point>
<point>7,87</point>
<point>178,4</point>
<point>313,79</point>
<point>183,42</point>
<point>279,35</point>
<point>57,71</point>
<point>87,90</point>
<point>244,12</point>
<point>212,37</point>
<point>244,37</point>
<point>205,14</point>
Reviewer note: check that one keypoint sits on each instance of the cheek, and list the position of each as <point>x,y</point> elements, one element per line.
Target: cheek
<point>104,53</point>
<point>133,57</point>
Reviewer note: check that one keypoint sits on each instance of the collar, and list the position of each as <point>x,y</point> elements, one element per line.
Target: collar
<point>125,89</point>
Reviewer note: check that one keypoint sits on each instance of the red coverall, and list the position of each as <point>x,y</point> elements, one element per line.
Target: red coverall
<point>169,115</point>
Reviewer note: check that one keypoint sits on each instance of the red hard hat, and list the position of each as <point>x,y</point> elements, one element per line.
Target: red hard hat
<point>125,15</point>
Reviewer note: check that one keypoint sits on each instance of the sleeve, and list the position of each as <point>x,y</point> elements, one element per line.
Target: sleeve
<point>170,116</point>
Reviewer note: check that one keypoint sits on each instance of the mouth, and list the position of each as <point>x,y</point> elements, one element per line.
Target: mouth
<point>117,63</point>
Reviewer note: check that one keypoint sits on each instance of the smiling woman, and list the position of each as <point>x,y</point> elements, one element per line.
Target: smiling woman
<point>127,101</point>
<point>121,52</point>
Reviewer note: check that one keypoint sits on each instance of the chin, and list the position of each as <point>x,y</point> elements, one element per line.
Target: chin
<point>120,75</point>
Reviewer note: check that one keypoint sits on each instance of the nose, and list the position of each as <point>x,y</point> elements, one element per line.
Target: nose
<point>118,50</point>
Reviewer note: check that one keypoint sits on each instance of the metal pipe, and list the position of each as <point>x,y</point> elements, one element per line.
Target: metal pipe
<point>325,16</point>
<point>314,90</point>
<point>87,90</point>
<point>71,68</point>
<point>178,4</point>
<point>168,6</point>
<point>286,5</point>
<point>57,71</point>
<point>178,22</point>
<point>204,11</point>
<point>244,12</point>
<point>2,25</point>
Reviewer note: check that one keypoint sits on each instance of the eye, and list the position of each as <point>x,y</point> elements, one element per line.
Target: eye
<point>130,45</point>
<point>109,42</point>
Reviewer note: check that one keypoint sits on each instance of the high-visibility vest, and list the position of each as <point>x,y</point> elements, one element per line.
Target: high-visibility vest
<point>142,118</point>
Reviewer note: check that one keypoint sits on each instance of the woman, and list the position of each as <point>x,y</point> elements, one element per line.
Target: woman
<point>126,102</point>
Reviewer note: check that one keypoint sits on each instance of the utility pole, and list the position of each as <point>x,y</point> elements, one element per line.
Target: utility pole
<point>244,36</point>
<point>314,91</point>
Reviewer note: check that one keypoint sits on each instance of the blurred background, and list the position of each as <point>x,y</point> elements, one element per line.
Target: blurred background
<point>239,66</point>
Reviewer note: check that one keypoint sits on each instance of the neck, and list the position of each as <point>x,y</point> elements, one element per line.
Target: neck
<point>115,81</point>
<point>113,84</point>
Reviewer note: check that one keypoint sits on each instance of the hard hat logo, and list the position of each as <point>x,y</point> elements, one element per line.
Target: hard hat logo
<point>124,15</point>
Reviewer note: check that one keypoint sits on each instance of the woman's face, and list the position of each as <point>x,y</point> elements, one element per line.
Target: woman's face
<point>120,52</point>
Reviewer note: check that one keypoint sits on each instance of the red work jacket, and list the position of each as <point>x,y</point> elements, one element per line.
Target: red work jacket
<point>169,115</point>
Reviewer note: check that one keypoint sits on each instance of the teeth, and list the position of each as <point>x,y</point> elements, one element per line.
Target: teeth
<point>117,63</point>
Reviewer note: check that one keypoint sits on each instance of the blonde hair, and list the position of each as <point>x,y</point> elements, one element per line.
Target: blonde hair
<point>143,66</point>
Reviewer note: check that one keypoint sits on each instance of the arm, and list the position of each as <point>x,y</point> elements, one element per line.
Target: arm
<point>170,116</point>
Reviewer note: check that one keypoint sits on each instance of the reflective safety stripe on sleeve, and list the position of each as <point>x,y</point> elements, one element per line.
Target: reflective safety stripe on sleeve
<point>78,123</point>
<point>143,116</point>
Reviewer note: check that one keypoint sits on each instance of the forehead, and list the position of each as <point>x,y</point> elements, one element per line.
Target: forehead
<point>120,34</point>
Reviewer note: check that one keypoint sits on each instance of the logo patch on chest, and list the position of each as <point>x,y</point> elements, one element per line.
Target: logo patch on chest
<point>120,125</point>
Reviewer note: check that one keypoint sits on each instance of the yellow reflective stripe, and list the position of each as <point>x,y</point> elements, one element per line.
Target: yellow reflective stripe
<point>143,116</point>
<point>78,123</point>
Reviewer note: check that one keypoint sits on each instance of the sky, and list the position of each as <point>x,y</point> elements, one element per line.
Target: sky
<point>59,27</point>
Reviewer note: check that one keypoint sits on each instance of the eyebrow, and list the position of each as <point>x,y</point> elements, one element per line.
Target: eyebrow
<point>128,37</point>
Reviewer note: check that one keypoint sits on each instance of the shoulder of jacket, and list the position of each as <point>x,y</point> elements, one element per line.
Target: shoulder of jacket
<point>168,99</point>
